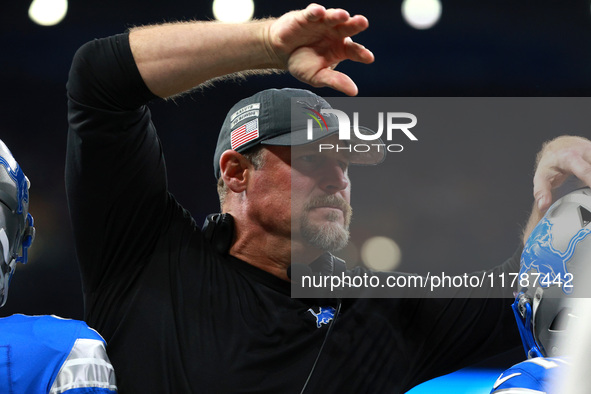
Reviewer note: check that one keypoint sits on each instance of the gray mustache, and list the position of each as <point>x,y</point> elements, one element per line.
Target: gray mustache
<point>328,201</point>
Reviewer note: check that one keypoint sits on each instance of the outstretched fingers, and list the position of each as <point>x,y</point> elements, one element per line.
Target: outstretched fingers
<point>311,42</point>
<point>314,12</point>
<point>335,80</point>
<point>336,16</point>
<point>352,26</point>
<point>357,52</point>
<point>339,19</point>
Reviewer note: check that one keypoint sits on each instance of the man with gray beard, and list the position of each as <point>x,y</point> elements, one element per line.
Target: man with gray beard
<point>304,194</point>
<point>209,310</point>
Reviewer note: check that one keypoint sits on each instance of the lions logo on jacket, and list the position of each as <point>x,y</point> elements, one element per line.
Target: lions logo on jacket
<point>325,315</point>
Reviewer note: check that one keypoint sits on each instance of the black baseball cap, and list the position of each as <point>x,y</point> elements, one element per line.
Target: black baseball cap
<point>266,118</point>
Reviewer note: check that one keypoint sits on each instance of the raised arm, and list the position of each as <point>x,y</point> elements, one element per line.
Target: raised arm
<point>173,58</point>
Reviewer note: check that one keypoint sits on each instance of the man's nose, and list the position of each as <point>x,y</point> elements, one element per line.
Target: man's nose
<point>334,177</point>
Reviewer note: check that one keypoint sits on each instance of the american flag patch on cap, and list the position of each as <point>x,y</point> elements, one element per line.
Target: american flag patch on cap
<point>245,133</point>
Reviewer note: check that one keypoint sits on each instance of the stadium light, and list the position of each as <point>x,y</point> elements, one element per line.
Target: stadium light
<point>380,254</point>
<point>48,12</point>
<point>421,14</point>
<point>233,11</point>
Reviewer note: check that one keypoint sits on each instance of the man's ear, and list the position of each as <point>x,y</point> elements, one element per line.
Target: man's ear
<point>234,170</point>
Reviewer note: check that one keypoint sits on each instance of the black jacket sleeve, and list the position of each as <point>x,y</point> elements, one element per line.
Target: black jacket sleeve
<point>115,171</point>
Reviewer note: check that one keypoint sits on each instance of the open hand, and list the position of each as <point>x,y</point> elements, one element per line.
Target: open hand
<point>310,43</point>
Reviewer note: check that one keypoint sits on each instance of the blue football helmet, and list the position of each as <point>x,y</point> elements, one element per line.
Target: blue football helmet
<point>16,224</point>
<point>556,253</point>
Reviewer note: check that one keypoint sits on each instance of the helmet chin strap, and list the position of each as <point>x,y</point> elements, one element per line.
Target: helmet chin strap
<point>522,309</point>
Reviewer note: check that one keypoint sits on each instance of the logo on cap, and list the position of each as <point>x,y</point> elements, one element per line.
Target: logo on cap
<point>249,111</point>
<point>245,133</point>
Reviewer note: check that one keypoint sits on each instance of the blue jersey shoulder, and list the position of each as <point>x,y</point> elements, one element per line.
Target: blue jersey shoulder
<point>33,349</point>
<point>535,375</point>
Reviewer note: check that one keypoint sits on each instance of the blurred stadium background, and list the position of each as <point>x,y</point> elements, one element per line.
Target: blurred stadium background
<point>462,199</point>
